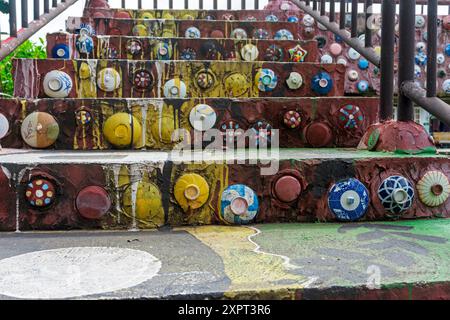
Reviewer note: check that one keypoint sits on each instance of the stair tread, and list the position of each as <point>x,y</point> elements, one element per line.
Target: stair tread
<point>21,156</point>
<point>310,261</point>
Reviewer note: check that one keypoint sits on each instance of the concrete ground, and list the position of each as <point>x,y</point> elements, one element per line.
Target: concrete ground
<point>390,260</point>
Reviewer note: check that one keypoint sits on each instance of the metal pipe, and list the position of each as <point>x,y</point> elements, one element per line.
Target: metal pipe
<point>36,9</point>
<point>431,48</point>
<point>322,7</point>
<point>368,53</point>
<point>332,11</point>
<point>342,15</point>
<point>24,4</point>
<point>354,18</point>
<point>46,6</point>
<point>12,18</point>
<point>387,60</point>
<point>405,110</point>
<point>433,105</point>
<point>368,27</point>
<point>34,26</point>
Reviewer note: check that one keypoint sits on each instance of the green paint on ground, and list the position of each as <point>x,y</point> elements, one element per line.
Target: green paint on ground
<point>352,254</point>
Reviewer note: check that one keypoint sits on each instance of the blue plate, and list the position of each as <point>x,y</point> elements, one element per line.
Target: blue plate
<point>239,204</point>
<point>396,194</point>
<point>348,200</point>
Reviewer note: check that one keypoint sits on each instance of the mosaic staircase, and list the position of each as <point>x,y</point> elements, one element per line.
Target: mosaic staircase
<point>133,120</point>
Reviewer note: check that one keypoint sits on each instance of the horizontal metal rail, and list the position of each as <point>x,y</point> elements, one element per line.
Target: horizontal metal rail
<point>355,43</point>
<point>17,38</point>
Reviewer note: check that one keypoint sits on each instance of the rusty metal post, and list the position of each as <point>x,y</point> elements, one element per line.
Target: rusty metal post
<point>431,48</point>
<point>368,27</point>
<point>24,4</point>
<point>354,18</point>
<point>407,39</point>
<point>387,60</point>
<point>12,18</point>
<point>36,9</point>
<point>332,11</point>
<point>342,15</point>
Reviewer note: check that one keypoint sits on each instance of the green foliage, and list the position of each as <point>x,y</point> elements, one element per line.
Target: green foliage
<point>28,50</point>
<point>4,6</point>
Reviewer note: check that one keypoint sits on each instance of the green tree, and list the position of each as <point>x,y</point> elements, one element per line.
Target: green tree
<point>29,50</point>
<point>4,6</point>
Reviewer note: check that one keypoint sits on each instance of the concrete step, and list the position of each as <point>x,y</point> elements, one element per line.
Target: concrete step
<point>186,28</point>
<point>395,260</point>
<point>85,124</point>
<point>69,46</point>
<point>140,79</point>
<point>48,190</point>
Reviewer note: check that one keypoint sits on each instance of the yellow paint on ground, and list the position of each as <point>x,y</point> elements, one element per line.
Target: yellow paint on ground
<point>247,269</point>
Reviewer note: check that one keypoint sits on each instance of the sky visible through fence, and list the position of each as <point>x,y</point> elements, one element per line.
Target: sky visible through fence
<point>76,10</point>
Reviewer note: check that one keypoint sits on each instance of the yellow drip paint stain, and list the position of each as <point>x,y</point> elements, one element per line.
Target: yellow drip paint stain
<point>248,270</point>
<point>149,208</point>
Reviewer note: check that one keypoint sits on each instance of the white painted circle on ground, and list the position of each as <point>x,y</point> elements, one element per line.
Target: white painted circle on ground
<point>75,272</point>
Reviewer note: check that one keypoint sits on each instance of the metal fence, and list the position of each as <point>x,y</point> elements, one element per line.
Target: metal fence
<point>409,91</point>
<point>42,15</point>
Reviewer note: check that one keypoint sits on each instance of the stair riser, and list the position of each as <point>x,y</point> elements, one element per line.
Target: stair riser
<point>178,28</point>
<point>315,176</point>
<point>240,15</point>
<point>116,47</point>
<point>29,76</point>
<point>176,114</point>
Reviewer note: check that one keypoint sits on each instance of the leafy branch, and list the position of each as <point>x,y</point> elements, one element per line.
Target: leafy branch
<point>29,50</point>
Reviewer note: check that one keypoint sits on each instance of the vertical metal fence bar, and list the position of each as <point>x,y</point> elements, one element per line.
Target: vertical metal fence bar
<point>186,4</point>
<point>314,4</point>
<point>139,4</point>
<point>368,26</point>
<point>256,4</point>
<point>24,4</point>
<point>307,2</point>
<point>229,4</point>
<point>46,6</point>
<point>12,18</point>
<point>407,34</point>
<point>122,4</point>
<point>322,7</point>
<point>36,9</point>
<point>54,3</point>
<point>342,15</point>
<point>200,4</point>
<point>387,60</point>
<point>170,4</point>
<point>332,11</point>
<point>354,18</point>
<point>431,47</point>
<point>155,4</point>
<point>243,4</point>
<point>215,5</point>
